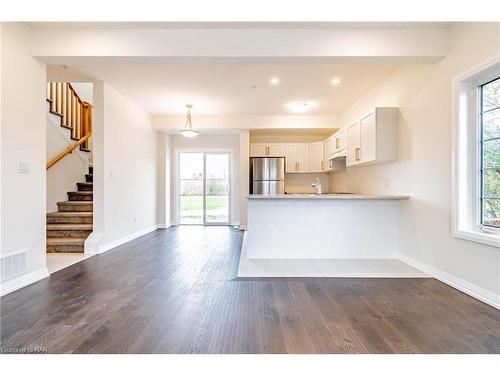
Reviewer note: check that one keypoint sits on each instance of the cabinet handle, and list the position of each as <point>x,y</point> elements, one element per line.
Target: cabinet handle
<point>322,162</point>
<point>357,154</point>
<point>337,143</point>
<point>267,150</point>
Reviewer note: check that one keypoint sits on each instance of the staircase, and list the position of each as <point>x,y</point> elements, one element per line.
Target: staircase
<point>68,228</point>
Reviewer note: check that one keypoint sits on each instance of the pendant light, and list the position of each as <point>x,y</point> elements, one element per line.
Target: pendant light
<point>188,129</point>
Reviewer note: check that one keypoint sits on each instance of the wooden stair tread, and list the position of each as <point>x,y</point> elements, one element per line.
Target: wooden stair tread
<point>69,226</point>
<point>75,203</point>
<point>81,192</point>
<point>72,213</point>
<point>66,240</point>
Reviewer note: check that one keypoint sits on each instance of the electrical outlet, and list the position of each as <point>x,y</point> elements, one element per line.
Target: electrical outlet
<point>23,167</point>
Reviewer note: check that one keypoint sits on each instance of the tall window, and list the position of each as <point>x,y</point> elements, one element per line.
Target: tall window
<point>490,153</point>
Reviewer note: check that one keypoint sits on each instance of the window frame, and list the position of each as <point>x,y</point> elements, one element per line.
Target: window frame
<point>484,227</point>
<point>467,155</point>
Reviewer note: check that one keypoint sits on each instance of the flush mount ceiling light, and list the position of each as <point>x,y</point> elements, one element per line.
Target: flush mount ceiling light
<point>301,107</point>
<point>335,81</point>
<point>188,129</point>
<point>274,81</point>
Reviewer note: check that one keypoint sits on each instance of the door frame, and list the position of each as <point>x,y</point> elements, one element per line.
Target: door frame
<point>177,181</point>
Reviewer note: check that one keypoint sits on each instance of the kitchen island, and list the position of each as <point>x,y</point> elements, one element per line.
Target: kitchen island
<point>326,226</point>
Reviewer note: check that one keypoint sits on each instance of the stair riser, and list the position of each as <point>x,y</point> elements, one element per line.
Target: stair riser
<point>76,197</point>
<point>84,187</point>
<point>65,249</point>
<point>75,208</point>
<point>69,220</point>
<point>89,178</point>
<point>68,233</point>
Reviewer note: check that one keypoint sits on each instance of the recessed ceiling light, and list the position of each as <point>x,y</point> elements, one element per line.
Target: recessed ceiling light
<point>301,107</point>
<point>274,81</point>
<point>335,81</point>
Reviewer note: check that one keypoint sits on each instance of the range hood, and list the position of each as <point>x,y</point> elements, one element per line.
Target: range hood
<point>338,161</point>
<point>339,155</point>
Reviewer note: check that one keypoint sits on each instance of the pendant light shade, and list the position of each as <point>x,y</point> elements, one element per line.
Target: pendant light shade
<point>188,130</point>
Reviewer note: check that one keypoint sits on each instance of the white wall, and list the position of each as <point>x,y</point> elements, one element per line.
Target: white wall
<point>423,169</point>
<point>84,90</point>
<point>23,120</point>
<point>244,176</point>
<point>164,176</point>
<point>129,170</point>
<point>206,143</point>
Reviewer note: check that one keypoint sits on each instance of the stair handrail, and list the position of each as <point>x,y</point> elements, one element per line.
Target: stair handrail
<point>75,115</point>
<point>67,151</point>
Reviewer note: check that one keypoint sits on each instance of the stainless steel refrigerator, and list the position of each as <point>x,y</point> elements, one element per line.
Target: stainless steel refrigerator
<point>267,176</point>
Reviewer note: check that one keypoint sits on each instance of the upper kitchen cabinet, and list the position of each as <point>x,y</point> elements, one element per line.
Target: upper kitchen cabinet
<point>316,157</point>
<point>297,158</point>
<point>267,150</point>
<point>339,141</point>
<point>329,147</point>
<point>373,138</point>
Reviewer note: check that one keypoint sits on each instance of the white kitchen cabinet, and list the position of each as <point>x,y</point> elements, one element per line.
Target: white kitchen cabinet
<point>267,149</point>
<point>291,158</point>
<point>303,157</point>
<point>258,150</point>
<point>316,157</point>
<point>328,147</point>
<point>353,144</point>
<point>368,135</point>
<point>340,141</point>
<point>297,158</point>
<point>373,138</point>
<point>276,149</point>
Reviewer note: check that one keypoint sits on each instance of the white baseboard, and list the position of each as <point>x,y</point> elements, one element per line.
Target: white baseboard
<point>164,226</point>
<point>130,237</point>
<point>472,290</point>
<point>23,280</point>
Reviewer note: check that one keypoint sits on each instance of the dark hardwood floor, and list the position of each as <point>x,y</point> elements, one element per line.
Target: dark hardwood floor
<point>176,291</point>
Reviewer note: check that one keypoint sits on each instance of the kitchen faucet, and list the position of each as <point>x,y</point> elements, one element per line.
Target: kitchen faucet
<point>317,185</point>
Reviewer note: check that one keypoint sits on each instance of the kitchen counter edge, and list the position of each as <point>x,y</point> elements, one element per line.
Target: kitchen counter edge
<point>329,196</point>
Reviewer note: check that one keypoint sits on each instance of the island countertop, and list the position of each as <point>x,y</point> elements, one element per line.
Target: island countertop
<point>329,196</point>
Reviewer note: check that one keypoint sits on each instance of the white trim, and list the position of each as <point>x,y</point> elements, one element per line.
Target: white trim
<point>164,226</point>
<point>23,280</point>
<point>130,237</point>
<point>464,183</point>
<point>472,290</point>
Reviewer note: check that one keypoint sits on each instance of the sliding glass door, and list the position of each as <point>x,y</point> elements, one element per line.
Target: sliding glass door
<point>204,188</point>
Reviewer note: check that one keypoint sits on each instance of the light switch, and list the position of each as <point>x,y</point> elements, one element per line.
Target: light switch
<point>23,167</point>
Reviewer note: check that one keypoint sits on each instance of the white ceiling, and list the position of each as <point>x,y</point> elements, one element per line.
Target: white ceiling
<point>216,87</point>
